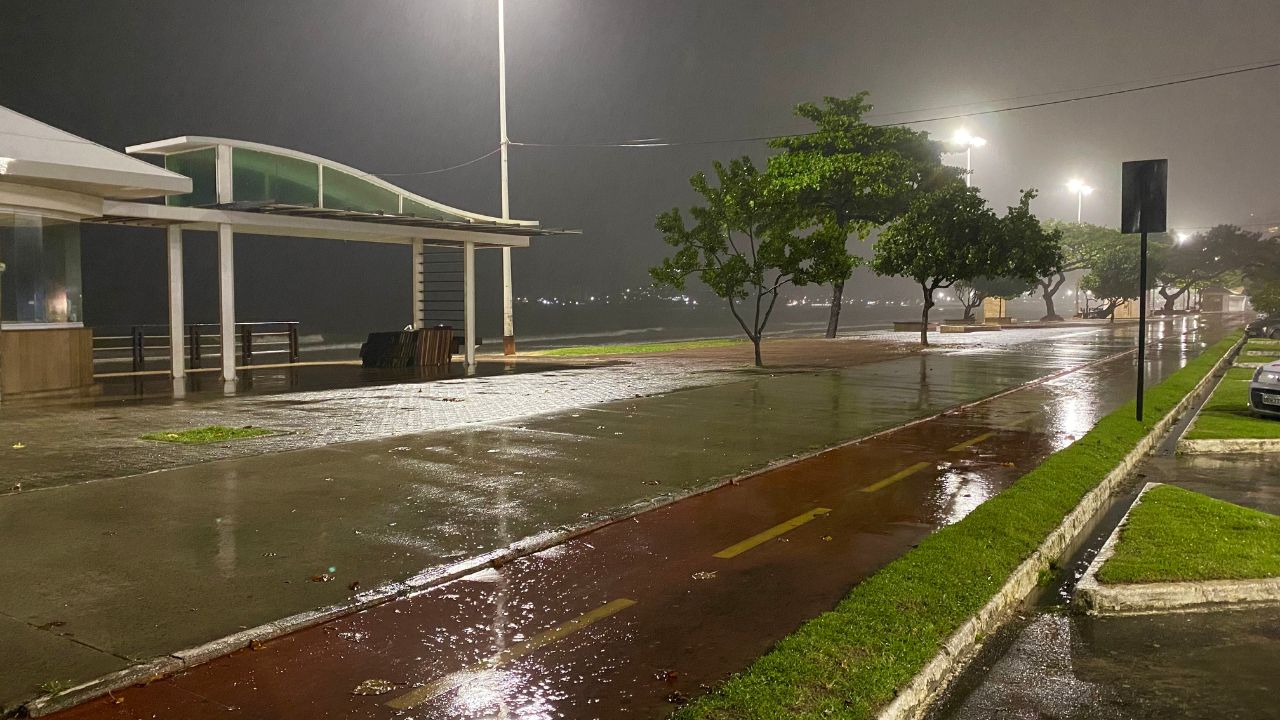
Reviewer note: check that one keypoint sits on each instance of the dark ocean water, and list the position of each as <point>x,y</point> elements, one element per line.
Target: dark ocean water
<point>545,326</point>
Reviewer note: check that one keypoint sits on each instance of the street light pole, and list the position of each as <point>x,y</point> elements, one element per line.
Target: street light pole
<point>508,314</point>
<point>963,138</point>
<point>1081,189</point>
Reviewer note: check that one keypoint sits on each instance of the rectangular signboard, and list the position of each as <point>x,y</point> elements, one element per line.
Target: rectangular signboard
<point>1145,196</point>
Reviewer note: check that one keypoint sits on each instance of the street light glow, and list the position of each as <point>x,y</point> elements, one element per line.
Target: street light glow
<point>1078,186</point>
<point>965,139</point>
<point>1183,237</point>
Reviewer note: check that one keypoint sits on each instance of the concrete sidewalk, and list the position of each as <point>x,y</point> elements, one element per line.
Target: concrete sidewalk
<point>99,575</point>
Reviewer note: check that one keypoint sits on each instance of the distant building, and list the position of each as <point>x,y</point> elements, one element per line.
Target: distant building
<point>1221,299</point>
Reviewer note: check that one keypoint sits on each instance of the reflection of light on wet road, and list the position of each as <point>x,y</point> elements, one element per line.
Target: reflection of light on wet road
<point>484,671</point>
<point>959,492</point>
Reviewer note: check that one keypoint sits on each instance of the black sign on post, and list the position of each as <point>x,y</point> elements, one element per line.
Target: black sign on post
<point>1144,209</point>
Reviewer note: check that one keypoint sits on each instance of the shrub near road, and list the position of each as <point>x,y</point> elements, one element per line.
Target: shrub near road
<point>850,662</point>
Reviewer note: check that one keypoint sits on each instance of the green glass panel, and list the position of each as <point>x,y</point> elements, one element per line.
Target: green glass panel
<point>267,177</point>
<point>417,209</point>
<point>202,167</point>
<point>343,191</point>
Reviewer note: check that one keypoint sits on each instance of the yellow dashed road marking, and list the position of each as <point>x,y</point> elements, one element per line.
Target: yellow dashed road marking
<point>771,533</point>
<point>971,442</point>
<point>462,677</point>
<point>896,477</point>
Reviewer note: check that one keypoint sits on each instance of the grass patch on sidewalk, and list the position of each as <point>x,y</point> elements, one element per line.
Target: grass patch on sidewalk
<point>638,348</point>
<point>1226,415</point>
<point>205,435</point>
<point>1175,535</point>
<point>852,661</point>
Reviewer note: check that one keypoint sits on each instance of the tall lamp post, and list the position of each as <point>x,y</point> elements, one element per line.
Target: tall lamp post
<point>508,313</point>
<point>1078,186</point>
<point>963,138</point>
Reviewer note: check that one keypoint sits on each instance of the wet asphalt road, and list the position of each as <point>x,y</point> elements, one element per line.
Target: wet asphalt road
<point>635,618</point>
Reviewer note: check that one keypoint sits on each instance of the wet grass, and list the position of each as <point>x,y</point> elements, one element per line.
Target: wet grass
<point>1226,415</point>
<point>1176,535</point>
<point>852,661</point>
<point>204,435</point>
<point>638,348</point>
<point>1260,351</point>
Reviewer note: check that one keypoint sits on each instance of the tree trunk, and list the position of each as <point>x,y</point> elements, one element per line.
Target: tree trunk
<point>756,342</point>
<point>924,317</point>
<point>837,298</point>
<point>1049,290</point>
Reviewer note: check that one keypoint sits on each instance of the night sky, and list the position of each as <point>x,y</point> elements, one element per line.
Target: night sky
<point>402,86</point>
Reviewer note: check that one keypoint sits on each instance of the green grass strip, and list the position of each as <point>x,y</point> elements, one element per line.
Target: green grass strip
<point>1226,415</point>
<point>850,662</point>
<point>211,434</point>
<point>1175,535</point>
<point>639,348</point>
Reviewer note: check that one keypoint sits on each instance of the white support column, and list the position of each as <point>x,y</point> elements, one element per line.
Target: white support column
<point>508,306</point>
<point>227,303</point>
<point>419,288</point>
<point>177,322</point>
<point>469,304</point>
<point>226,273</point>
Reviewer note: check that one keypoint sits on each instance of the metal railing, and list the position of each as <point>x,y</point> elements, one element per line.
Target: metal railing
<point>141,344</point>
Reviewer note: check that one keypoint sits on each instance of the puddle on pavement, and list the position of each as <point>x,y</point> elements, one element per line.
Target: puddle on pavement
<point>1183,665</point>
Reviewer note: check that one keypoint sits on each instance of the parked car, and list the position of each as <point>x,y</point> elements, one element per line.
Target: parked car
<point>1264,390</point>
<point>1264,327</point>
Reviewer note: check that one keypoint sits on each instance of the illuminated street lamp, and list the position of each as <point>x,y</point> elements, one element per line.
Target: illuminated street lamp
<point>963,138</point>
<point>1079,187</point>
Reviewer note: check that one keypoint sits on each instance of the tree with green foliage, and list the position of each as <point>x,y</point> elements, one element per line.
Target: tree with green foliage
<point>948,235</point>
<point>1080,245</point>
<point>849,177</point>
<point>742,245</point>
<point>1204,259</point>
<point>1262,275</point>
<point>1114,274</point>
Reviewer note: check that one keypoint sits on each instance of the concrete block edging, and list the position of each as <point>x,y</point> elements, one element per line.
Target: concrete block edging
<point>914,700</point>
<point>1147,598</point>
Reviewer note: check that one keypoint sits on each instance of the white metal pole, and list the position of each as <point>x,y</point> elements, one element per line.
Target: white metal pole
<point>508,310</point>
<point>419,289</point>
<point>177,322</point>
<point>226,272</point>
<point>968,165</point>
<point>227,303</point>
<point>469,304</point>
<point>1079,205</point>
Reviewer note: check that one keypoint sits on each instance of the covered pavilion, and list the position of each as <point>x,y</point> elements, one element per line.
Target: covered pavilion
<point>51,181</point>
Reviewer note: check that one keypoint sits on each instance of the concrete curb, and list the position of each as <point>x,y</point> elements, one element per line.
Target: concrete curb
<point>914,700</point>
<point>181,660</point>
<point>1234,445</point>
<point>1097,598</point>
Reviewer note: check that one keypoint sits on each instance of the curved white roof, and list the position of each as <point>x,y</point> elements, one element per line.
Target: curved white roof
<point>187,143</point>
<point>34,153</point>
